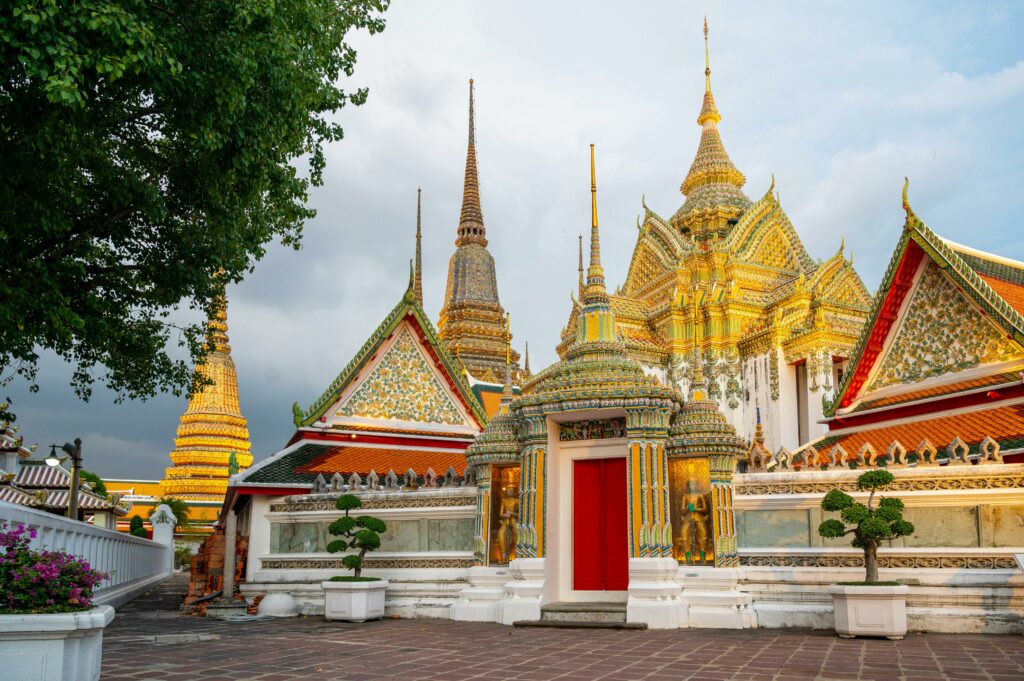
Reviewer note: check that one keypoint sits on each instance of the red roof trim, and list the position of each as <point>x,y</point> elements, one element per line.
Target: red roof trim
<point>901,284</point>
<point>930,407</point>
<point>395,440</point>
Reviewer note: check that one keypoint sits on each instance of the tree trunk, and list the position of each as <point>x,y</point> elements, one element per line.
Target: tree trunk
<point>871,560</point>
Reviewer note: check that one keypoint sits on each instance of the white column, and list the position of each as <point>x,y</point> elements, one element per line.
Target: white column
<point>788,409</point>
<point>259,535</point>
<point>230,530</point>
<point>163,522</point>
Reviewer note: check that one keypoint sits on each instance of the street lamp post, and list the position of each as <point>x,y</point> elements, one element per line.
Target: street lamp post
<point>74,452</point>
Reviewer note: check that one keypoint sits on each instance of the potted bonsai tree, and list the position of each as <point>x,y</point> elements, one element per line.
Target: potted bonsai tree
<point>354,598</point>
<point>870,607</point>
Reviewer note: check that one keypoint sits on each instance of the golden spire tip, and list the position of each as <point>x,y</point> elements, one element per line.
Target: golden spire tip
<point>707,58</point>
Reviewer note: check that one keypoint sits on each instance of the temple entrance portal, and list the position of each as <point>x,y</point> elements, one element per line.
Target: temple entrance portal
<point>600,533</point>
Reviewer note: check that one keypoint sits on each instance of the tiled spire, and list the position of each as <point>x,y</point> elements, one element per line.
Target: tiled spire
<point>526,360</point>
<point>418,283</point>
<point>595,291</point>
<point>713,185</point>
<point>471,219</point>
<point>596,324</point>
<point>212,434</point>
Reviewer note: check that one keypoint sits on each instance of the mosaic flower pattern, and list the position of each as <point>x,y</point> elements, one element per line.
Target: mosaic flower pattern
<point>403,387</point>
<point>942,333</point>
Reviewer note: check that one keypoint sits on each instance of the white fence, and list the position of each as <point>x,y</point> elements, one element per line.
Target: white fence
<point>134,564</point>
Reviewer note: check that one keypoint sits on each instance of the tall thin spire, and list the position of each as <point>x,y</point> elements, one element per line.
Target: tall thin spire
<point>597,323</point>
<point>471,219</point>
<point>418,284</point>
<point>595,290</point>
<point>707,59</point>
<point>526,361</point>
<point>582,282</point>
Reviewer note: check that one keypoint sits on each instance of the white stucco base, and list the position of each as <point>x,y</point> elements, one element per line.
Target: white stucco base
<point>64,647</point>
<point>524,593</point>
<point>654,594</point>
<point>481,600</point>
<point>713,598</point>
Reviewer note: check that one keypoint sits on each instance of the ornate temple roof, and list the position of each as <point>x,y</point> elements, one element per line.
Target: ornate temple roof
<point>212,438</point>
<point>961,275</point>
<point>713,186</point>
<point>499,441</point>
<point>595,372</point>
<point>414,380</point>
<point>471,320</point>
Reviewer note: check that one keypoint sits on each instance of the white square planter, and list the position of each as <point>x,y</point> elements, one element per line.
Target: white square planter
<point>63,647</point>
<point>354,601</point>
<point>870,610</point>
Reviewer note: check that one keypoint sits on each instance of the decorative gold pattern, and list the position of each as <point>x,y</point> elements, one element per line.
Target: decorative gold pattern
<point>418,396</point>
<point>373,504</point>
<point>901,484</point>
<point>369,563</point>
<point>982,562</point>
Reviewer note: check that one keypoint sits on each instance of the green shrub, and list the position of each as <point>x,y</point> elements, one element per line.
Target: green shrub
<point>361,533</point>
<point>136,527</point>
<point>868,524</point>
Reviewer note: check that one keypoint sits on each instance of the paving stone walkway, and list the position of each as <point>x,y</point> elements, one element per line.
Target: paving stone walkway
<point>150,640</point>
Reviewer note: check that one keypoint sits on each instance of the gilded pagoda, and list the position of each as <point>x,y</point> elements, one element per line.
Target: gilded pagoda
<point>472,321</point>
<point>212,441</point>
<point>726,278</point>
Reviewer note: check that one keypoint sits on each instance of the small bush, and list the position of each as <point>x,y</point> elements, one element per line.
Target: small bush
<point>42,581</point>
<point>869,524</point>
<point>361,533</point>
<point>136,527</point>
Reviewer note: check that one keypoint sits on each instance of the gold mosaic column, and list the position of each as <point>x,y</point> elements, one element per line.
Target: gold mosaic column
<point>481,535</point>
<point>726,549</point>
<point>650,525</point>
<point>531,535</point>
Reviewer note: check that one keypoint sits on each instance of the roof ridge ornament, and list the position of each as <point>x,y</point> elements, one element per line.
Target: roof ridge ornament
<point>418,286</point>
<point>912,219</point>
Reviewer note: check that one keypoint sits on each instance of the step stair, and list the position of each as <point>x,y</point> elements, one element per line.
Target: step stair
<point>582,616</point>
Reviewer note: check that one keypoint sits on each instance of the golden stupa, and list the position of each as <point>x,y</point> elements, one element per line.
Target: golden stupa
<point>212,441</point>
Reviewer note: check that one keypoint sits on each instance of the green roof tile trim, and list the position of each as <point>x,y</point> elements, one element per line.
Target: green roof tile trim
<point>406,307</point>
<point>282,471</point>
<point>990,268</point>
<point>950,261</point>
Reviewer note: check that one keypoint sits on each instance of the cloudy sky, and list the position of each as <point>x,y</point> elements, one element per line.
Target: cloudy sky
<point>838,100</point>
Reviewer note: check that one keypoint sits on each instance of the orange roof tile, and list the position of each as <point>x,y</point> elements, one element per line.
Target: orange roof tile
<point>362,460</point>
<point>491,401</point>
<point>1009,291</point>
<point>939,391</point>
<point>1003,424</point>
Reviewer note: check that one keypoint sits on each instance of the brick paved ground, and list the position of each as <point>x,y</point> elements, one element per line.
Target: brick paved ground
<point>147,640</point>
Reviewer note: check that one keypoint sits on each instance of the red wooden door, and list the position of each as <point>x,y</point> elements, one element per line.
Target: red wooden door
<point>600,556</point>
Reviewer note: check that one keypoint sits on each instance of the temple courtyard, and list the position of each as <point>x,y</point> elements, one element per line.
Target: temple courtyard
<point>150,639</point>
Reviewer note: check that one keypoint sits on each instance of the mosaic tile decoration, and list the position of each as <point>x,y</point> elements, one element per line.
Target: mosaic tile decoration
<point>403,387</point>
<point>941,333</point>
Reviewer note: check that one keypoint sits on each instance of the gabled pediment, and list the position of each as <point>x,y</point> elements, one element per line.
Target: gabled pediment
<point>402,377</point>
<point>934,320</point>
<point>765,236</point>
<point>940,332</point>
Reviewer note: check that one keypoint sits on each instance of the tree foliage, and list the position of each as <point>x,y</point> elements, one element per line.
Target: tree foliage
<point>99,487</point>
<point>361,533</point>
<point>869,524</point>
<point>151,150</point>
<point>178,507</point>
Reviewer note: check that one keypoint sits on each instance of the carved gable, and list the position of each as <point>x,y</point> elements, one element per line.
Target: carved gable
<point>402,386</point>
<point>941,332</point>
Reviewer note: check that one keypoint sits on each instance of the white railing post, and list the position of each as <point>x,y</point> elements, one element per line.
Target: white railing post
<point>163,522</point>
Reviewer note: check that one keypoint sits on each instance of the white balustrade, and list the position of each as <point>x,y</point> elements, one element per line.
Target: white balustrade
<point>132,563</point>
